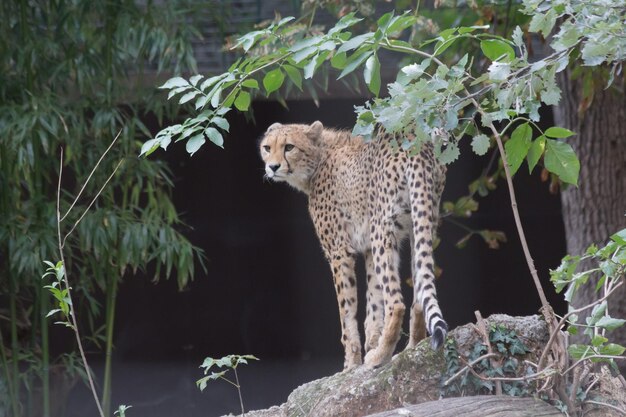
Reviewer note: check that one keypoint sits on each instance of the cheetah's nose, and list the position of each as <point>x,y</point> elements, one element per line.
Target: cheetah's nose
<point>274,167</point>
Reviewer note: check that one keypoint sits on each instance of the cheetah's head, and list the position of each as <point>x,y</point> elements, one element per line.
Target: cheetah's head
<point>290,153</point>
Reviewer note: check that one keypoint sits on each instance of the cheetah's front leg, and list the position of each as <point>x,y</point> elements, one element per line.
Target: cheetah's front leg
<point>345,285</point>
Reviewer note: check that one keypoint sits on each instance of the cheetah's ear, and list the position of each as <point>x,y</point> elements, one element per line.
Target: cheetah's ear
<point>315,130</point>
<point>273,126</point>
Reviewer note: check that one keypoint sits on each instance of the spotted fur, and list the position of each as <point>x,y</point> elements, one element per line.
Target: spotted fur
<point>366,198</point>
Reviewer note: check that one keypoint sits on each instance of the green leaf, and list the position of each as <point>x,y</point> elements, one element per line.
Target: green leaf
<point>194,80</point>
<point>558,132</point>
<point>597,313</point>
<point>400,24</point>
<point>343,23</point>
<point>175,82</point>
<point>294,75</point>
<point>497,50</point>
<point>611,349</point>
<point>221,123</point>
<point>595,53</point>
<point>52,312</point>
<point>214,136</point>
<point>543,22</point>
<point>355,42</point>
<point>305,43</point>
<point>534,153</point>
<point>450,154</point>
<point>304,54</point>
<point>517,147</point>
<point>598,340</point>
<point>339,60</point>
<point>480,144</point>
<point>309,69</point>
<point>188,96</point>
<point>610,323</point>
<point>149,146</point>
<point>250,83</point>
<point>580,351</point>
<point>201,102</point>
<point>371,74</point>
<point>177,90</point>
<point>517,37</point>
<point>560,159</point>
<point>353,62</point>
<point>273,80</point>
<point>242,102</point>
<point>442,45</point>
<point>194,143</point>
<point>215,98</point>
<point>619,237</point>
<point>209,82</point>
<point>499,71</point>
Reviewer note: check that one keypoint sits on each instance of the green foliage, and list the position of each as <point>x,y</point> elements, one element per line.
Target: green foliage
<point>510,348</point>
<point>429,100</point>
<point>608,271</point>
<point>231,362</point>
<point>71,78</point>
<point>599,29</point>
<point>121,410</point>
<point>58,289</point>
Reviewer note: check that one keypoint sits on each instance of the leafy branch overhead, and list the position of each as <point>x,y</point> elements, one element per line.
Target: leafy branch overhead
<point>429,100</point>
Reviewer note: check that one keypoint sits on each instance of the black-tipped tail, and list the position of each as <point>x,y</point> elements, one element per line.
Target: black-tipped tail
<point>439,334</point>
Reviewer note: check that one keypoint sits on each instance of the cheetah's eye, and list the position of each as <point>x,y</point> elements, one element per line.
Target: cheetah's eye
<point>288,147</point>
<point>267,148</point>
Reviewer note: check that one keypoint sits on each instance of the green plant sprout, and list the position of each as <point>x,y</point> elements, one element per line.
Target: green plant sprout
<point>121,410</point>
<point>230,361</point>
<point>59,290</point>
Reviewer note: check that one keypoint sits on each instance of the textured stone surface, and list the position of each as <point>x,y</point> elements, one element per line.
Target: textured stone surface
<point>477,406</point>
<point>412,377</point>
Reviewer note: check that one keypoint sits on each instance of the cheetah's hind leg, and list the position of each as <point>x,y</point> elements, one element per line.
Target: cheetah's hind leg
<point>375,306</point>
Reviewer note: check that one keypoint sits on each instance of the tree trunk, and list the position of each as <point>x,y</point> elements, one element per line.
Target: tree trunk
<point>595,210</point>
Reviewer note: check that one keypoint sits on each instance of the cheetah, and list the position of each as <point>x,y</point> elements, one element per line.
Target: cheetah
<point>366,198</point>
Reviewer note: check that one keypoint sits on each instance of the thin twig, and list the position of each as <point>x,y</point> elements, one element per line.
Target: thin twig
<point>530,377</point>
<point>90,175</point>
<point>620,410</point>
<point>581,360</point>
<point>92,201</point>
<point>69,294</point>
<point>518,222</point>
<point>483,331</point>
<point>596,379</point>
<point>468,366</point>
<point>243,413</point>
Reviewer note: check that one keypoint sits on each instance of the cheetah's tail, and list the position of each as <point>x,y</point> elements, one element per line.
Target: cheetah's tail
<point>439,334</point>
